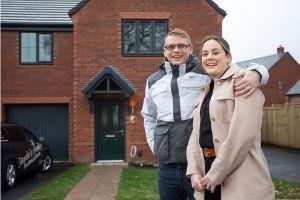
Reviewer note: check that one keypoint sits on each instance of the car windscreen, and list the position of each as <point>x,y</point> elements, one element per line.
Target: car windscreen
<point>15,134</point>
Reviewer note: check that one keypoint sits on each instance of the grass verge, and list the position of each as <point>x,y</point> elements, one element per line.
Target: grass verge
<point>140,184</point>
<point>286,190</point>
<point>58,187</point>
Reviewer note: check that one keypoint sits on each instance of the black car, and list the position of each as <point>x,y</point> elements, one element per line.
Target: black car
<point>21,152</point>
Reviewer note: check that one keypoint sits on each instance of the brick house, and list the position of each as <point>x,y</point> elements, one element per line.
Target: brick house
<point>74,71</point>
<point>293,95</point>
<point>284,72</point>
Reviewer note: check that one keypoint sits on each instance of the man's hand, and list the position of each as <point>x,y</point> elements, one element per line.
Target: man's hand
<point>195,180</point>
<point>208,184</point>
<point>246,82</point>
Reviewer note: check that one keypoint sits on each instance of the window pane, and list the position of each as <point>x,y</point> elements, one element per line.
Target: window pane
<point>104,120</point>
<point>24,39</point>
<point>25,55</point>
<point>28,47</point>
<point>145,37</point>
<point>32,40</point>
<point>32,55</point>
<point>45,47</point>
<point>115,119</point>
<point>160,33</point>
<point>129,37</point>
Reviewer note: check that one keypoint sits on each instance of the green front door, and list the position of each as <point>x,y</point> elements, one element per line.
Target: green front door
<point>110,130</point>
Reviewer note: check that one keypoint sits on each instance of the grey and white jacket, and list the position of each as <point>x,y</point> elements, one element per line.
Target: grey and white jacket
<point>170,100</point>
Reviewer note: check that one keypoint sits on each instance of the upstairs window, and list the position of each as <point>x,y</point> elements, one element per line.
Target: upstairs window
<point>143,37</point>
<point>36,48</point>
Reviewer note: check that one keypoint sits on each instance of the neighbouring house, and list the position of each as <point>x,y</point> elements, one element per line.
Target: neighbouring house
<point>293,95</point>
<point>75,71</point>
<point>284,72</point>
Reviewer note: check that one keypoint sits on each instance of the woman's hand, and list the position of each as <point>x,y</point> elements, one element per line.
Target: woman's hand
<point>208,184</point>
<point>196,184</point>
<point>247,82</point>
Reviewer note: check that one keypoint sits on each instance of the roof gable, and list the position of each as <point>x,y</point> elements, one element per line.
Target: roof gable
<point>267,61</point>
<point>220,10</point>
<point>112,74</point>
<point>211,2</point>
<point>78,7</point>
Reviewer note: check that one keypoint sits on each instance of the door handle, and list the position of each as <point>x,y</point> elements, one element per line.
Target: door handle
<point>121,131</point>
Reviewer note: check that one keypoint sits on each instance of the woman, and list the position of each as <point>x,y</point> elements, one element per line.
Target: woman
<point>225,159</point>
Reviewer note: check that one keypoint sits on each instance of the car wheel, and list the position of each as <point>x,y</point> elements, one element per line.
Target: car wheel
<point>10,175</point>
<point>47,163</point>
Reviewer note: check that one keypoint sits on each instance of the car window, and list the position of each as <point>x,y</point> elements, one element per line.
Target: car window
<point>3,134</point>
<point>15,134</point>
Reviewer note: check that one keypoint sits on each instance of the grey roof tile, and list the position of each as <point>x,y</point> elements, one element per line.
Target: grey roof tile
<point>37,11</point>
<point>267,61</point>
<point>295,89</point>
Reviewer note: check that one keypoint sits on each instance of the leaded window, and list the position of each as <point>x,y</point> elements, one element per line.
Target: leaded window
<point>143,37</point>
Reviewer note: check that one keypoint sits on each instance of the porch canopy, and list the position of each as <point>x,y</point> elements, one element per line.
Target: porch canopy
<point>111,81</point>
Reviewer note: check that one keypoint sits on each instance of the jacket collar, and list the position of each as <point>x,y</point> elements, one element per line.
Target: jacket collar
<point>230,72</point>
<point>169,67</point>
<point>192,64</point>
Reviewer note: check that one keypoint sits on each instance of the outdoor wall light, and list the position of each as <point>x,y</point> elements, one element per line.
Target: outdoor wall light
<point>132,104</point>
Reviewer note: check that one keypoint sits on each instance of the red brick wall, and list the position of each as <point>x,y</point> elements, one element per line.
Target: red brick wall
<point>287,70</point>
<point>97,43</point>
<point>31,84</point>
<point>53,80</point>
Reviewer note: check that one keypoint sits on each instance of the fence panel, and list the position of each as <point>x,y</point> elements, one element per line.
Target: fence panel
<point>281,126</point>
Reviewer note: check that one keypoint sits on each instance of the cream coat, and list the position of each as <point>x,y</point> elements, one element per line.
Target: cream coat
<point>240,166</point>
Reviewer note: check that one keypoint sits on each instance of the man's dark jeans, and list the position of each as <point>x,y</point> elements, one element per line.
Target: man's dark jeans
<point>173,183</point>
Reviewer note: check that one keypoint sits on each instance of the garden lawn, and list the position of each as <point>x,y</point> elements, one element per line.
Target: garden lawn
<point>286,190</point>
<point>140,184</point>
<point>58,187</point>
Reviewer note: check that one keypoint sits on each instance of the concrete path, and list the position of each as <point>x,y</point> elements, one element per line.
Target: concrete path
<point>100,184</point>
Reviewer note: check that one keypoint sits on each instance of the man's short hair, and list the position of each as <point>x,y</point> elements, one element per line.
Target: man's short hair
<point>181,33</point>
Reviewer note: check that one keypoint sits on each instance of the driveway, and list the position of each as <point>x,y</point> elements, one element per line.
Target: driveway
<point>283,163</point>
<point>29,182</point>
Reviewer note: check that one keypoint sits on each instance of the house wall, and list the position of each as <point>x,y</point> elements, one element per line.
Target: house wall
<point>38,81</point>
<point>287,70</point>
<point>97,44</point>
<point>35,83</point>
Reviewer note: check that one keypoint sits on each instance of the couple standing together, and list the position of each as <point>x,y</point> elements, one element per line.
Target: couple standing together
<point>202,121</point>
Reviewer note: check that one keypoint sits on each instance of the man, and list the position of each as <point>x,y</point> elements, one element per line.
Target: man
<point>170,96</point>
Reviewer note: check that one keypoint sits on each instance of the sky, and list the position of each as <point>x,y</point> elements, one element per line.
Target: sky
<point>255,28</point>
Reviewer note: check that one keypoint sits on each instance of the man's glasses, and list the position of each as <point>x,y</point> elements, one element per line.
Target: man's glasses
<point>180,46</point>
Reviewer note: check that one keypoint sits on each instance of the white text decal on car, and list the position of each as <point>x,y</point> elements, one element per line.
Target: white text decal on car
<point>30,155</point>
